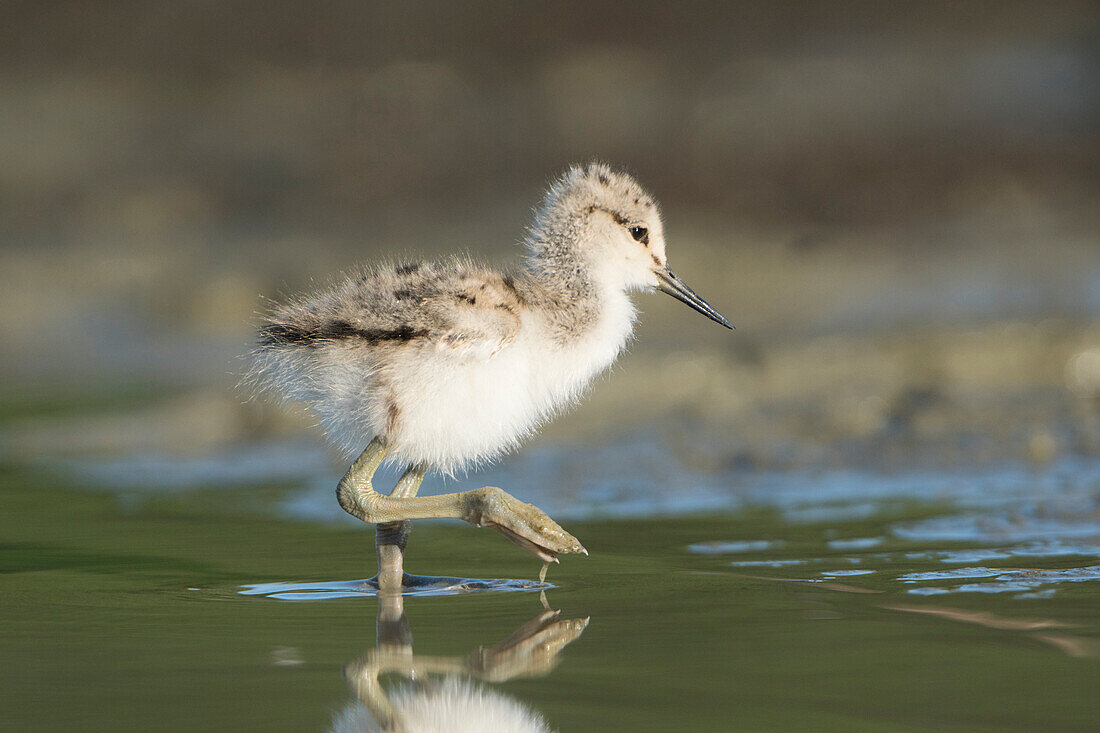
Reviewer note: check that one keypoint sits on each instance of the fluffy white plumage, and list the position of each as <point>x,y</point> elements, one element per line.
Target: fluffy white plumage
<point>449,401</point>
<point>453,364</point>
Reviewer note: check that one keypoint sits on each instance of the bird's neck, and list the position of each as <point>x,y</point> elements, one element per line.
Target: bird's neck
<point>567,289</point>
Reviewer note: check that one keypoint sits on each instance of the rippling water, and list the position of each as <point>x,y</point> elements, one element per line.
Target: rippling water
<point>146,592</point>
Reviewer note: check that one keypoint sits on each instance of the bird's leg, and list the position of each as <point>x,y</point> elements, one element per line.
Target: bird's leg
<point>391,538</point>
<point>357,481</point>
<point>524,524</point>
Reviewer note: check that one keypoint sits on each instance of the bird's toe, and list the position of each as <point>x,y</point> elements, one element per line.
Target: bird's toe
<point>526,525</point>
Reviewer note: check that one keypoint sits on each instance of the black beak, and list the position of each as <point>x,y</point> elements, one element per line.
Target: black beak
<point>678,289</point>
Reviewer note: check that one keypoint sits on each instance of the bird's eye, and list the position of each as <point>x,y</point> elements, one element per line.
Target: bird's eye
<point>640,234</point>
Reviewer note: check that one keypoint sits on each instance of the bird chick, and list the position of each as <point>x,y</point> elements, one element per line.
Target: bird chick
<point>446,366</point>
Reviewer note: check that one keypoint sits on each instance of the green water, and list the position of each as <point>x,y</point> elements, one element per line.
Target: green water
<point>127,615</point>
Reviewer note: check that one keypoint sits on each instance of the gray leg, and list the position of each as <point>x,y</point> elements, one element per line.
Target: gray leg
<point>523,524</point>
<point>391,538</point>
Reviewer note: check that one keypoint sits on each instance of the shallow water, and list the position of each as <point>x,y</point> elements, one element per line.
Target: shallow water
<point>183,596</point>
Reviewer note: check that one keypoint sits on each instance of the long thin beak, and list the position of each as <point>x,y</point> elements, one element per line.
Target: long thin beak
<point>678,289</point>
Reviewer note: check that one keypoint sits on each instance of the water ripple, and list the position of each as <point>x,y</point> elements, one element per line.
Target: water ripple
<point>733,546</point>
<point>367,588</point>
<point>1005,580</point>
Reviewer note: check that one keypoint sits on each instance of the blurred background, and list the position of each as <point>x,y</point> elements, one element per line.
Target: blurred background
<point>873,506</point>
<point>895,203</point>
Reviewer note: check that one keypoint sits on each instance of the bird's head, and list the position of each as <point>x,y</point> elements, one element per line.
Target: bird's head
<point>607,219</point>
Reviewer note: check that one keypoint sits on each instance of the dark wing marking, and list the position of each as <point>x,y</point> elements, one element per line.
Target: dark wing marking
<point>287,334</point>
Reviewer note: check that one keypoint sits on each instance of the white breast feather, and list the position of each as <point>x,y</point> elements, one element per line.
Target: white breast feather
<point>459,410</point>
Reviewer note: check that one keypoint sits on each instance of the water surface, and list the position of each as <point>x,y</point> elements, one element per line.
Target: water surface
<point>841,602</point>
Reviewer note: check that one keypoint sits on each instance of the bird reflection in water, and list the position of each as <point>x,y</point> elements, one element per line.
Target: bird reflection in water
<point>448,693</point>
